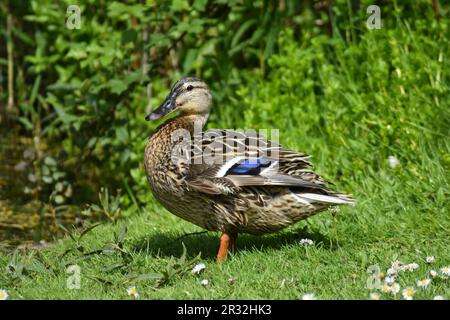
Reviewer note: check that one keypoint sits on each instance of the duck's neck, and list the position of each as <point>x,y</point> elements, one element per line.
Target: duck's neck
<point>193,123</point>
<point>161,143</point>
<point>159,147</point>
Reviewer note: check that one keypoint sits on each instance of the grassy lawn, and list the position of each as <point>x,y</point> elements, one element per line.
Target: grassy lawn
<point>392,223</point>
<point>353,102</point>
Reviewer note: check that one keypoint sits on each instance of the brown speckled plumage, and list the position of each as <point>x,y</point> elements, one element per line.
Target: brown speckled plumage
<point>218,196</point>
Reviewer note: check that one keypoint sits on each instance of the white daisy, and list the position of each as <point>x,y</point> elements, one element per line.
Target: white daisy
<point>204,282</point>
<point>404,268</point>
<point>389,280</point>
<point>391,271</point>
<point>423,283</point>
<point>397,265</point>
<point>433,273</point>
<point>133,292</point>
<point>430,259</point>
<point>408,293</point>
<point>386,288</point>
<point>412,266</point>
<point>395,288</point>
<point>309,296</point>
<point>3,294</point>
<point>445,270</point>
<point>375,296</point>
<point>306,242</point>
<point>439,297</point>
<point>198,268</point>
<point>393,161</point>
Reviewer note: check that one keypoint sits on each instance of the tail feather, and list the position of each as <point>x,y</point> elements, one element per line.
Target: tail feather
<point>336,198</point>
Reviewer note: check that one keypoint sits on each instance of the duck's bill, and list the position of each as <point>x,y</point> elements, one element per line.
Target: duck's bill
<point>164,109</point>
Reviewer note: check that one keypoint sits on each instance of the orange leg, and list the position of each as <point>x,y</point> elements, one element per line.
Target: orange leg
<point>227,242</point>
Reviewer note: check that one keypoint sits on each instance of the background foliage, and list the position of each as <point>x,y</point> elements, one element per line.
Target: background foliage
<point>81,94</point>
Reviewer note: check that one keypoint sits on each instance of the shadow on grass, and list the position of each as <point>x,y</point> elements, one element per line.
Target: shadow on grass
<point>170,244</point>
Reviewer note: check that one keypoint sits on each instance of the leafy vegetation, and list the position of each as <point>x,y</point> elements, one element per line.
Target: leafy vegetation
<point>352,97</point>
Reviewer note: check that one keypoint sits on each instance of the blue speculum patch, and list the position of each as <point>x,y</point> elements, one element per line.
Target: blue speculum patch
<point>249,166</point>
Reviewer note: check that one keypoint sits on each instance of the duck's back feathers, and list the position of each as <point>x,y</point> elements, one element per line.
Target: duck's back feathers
<point>224,162</point>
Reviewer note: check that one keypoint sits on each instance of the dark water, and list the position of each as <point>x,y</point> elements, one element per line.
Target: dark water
<point>24,217</point>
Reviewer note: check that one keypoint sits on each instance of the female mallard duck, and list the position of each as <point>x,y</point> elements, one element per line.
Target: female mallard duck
<point>226,180</point>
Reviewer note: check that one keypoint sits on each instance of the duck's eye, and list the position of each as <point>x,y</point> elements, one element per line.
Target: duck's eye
<point>189,88</point>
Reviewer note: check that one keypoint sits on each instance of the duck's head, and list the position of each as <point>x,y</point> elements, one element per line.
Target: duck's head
<point>189,96</point>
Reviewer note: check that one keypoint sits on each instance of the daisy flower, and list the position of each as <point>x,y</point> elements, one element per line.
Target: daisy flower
<point>423,283</point>
<point>439,297</point>
<point>393,161</point>
<point>306,242</point>
<point>391,271</point>
<point>389,280</point>
<point>412,266</point>
<point>309,296</point>
<point>395,288</point>
<point>433,273</point>
<point>385,288</point>
<point>404,268</point>
<point>375,296</point>
<point>204,282</point>
<point>133,292</point>
<point>3,294</point>
<point>445,270</point>
<point>408,293</point>
<point>198,268</point>
<point>396,266</point>
<point>429,259</point>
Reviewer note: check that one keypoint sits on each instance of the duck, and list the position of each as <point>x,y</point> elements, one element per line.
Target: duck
<point>228,180</point>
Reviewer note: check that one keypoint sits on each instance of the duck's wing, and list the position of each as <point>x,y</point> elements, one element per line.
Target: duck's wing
<point>223,161</point>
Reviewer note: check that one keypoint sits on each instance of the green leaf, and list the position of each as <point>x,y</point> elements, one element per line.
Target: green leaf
<point>49,161</point>
<point>122,233</point>
<point>109,248</point>
<point>27,124</point>
<point>117,86</point>
<point>159,40</point>
<point>34,91</point>
<point>200,4</point>
<point>87,230</point>
<point>122,134</point>
<point>47,179</point>
<point>129,35</point>
<point>178,5</point>
<point>242,29</point>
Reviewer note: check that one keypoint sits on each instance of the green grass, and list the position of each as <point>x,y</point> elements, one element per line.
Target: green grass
<point>351,102</point>
<point>381,229</point>
<point>396,218</point>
